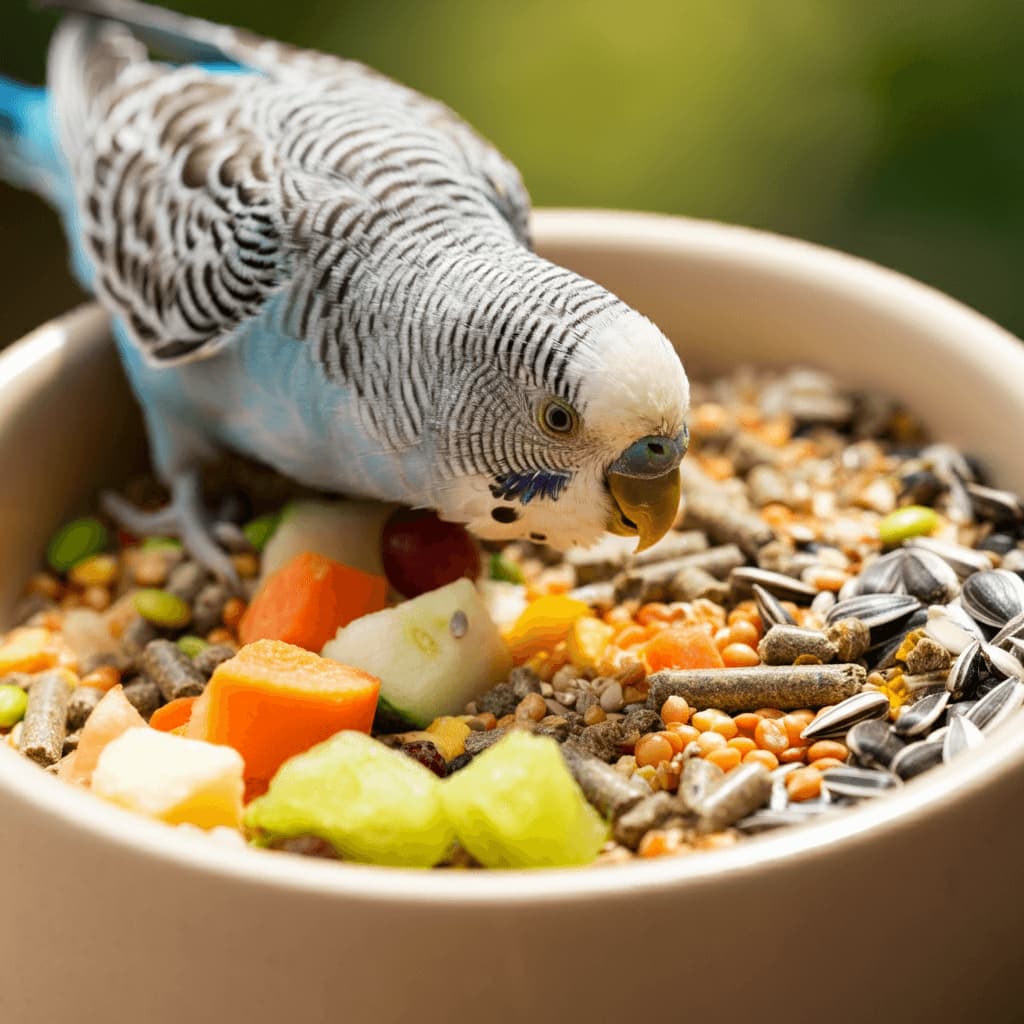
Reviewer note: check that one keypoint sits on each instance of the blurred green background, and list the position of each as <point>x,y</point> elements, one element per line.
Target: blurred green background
<point>894,130</point>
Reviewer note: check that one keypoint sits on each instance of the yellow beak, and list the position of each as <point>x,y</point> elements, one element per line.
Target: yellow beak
<point>646,506</point>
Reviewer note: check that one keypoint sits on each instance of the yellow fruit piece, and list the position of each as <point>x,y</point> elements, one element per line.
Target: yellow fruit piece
<point>97,570</point>
<point>29,649</point>
<point>171,778</point>
<point>588,640</point>
<point>543,623</point>
<point>448,734</point>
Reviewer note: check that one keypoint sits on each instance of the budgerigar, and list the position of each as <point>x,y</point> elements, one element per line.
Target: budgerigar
<point>315,266</point>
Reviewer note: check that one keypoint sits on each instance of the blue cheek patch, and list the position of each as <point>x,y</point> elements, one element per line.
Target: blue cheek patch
<point>530,484</point>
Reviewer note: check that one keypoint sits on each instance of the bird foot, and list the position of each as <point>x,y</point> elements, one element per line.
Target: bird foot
<point>184,517</point>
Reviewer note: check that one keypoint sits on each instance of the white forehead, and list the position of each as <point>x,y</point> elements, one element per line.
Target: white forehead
<point>633,380</point>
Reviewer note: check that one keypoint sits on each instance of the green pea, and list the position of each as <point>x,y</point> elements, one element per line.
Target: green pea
<point>909,521</point>
<point>161,544</point>
<point>259,530</point>
<point>191,645</point>
<point>74,542</point>
<point>504,569</point>
<point>162,608</point>
<point>13,701</point>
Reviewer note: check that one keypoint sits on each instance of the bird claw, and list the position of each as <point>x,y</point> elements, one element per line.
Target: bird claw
<point>183,517</point>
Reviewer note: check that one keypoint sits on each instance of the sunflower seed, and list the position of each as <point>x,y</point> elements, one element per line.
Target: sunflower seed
<point>916,758</point>
<point>861,707</point>
<point>917,718</point>
<point>927,577</point>
<point>997,705</point>
<point>963,735</point>
<point>769,607</point>
<point>881,613</point>
<point>1013,561</point>
<point>823,602</point>
<point>993,597</point>
<point>1014,628</point>
<point>857,783</point>
<point>874,743</point>
<point>995,506</point>
<point>966,671</point>
<point>961,559</point>
<point>1002,662</point>
<point>882,576</point>
<point>786,588</point>
<point>943,630</point>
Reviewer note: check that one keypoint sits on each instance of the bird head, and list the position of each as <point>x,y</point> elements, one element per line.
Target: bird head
<point>587,440</point>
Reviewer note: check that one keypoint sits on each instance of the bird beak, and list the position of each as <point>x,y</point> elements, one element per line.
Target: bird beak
<point>644,484</point>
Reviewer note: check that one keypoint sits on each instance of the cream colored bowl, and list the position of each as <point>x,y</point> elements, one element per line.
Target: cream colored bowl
<point>909,908</point>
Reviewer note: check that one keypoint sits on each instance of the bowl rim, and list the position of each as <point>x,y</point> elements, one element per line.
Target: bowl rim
<point>933,794</point>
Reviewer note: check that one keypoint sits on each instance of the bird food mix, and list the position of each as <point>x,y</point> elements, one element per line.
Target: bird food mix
<point>839,608</point>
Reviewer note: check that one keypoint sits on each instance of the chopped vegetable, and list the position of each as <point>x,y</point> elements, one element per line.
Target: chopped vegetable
<point>162,608</point>
<point>259,530</point>
<point>422,552</point>
<point>906,522</point>
<point>28,649</point>
<point>173,714</point>
<point>273,700</point>
<point>504,569</point>
<point>432,653</point>
<point>372,804</point>
<point>588,640</point>
<point>13,701</point>
<point>308,599</point>
<point>74,542</point>
<point>191,645</point>
<point>171,778</point>
<point>343,531</point>
<point>110,718</point>
<point>682,647</point>
<point>517,806</point>
<point>545,622</point>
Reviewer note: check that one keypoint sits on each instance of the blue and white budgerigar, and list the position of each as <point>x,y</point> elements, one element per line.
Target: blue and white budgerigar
<point>312,265</point>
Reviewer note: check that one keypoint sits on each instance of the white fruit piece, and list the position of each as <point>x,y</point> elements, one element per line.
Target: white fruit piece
<point>171,778</point>
<point>113,716</point>
<point>432,654</point>
<point>344,531</point>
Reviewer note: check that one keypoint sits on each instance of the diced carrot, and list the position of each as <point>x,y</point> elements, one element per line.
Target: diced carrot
<point>308,599</point>
<point>682,647</point>
<point>172,715</point>
<point>273,700</point>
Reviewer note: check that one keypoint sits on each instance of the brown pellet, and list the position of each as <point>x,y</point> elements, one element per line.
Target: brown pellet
<point>607,789</point>
<point>827,748</point>
<point>45,724</point>
<point>803,784</point>
<point>172,670</point>
<point>80,704</point>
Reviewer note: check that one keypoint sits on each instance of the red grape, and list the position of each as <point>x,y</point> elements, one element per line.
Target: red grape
<point>421,552</point>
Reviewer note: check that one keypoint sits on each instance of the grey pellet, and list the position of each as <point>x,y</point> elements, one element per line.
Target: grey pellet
<point>741,792</point>
<point>782,645</point>
<point>851,637</point>
<point>607,789</point>
<point>767,486</point>
<point>675,544</point>
<point>764,686</point>
<point>22,679</point>
<point>654,581</point>
<point>477,741</point>
<point>693,583</point>
<point>716,512</point>
<point>45,724</point>
<point>83,699</point>
<point>144,695</point>
<point>698,779</point>
<point>172,670</point>
<point>207,660</point>
<point>133,642</point>
<point>186,580</point>
<point>208,607</point>
<point>648,813</point>
<point>71,742</point>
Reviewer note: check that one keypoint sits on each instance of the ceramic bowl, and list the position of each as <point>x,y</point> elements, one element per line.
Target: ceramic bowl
<point>907,908</point>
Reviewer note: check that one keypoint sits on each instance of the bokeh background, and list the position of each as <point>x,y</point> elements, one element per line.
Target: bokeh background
<point>893,129</point>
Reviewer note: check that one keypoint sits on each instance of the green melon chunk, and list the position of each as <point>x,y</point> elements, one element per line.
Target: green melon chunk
<point>517,806</point>
<point>372,804</point>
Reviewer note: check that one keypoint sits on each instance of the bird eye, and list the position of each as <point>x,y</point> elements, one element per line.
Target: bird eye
<point>557,417</point>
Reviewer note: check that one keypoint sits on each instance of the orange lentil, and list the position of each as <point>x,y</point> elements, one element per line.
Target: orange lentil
<point>708,741</point>
<point>726,758</point>
<point>718,467</point>
<point>655,611</point>
<point>687,733</point>
<point>827,748</point>
<point>97,598</point>
<point>793,754</point>
<point>221,636</point>
<point>718,722</point>
<point>794,726</point>
<point>824,763</point>
<point>744,744</point>
<point>747,723</point>
<point>705,719</point>
<point>652,749</point>
<point>745,612</point>
<point>105,677</point>
<point>658,843</point>
<point>740,656</point>
<point>803,784</point>
<point>674,740</point>
<point>769,713</point>
<point>770,734</point>
<point>234,609</point>
<point>721,638</point>
<point>630,636</point>
<point>762,757</point>
<point>675,709</point>
<point>743,631</point>
<point>618,616</point>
